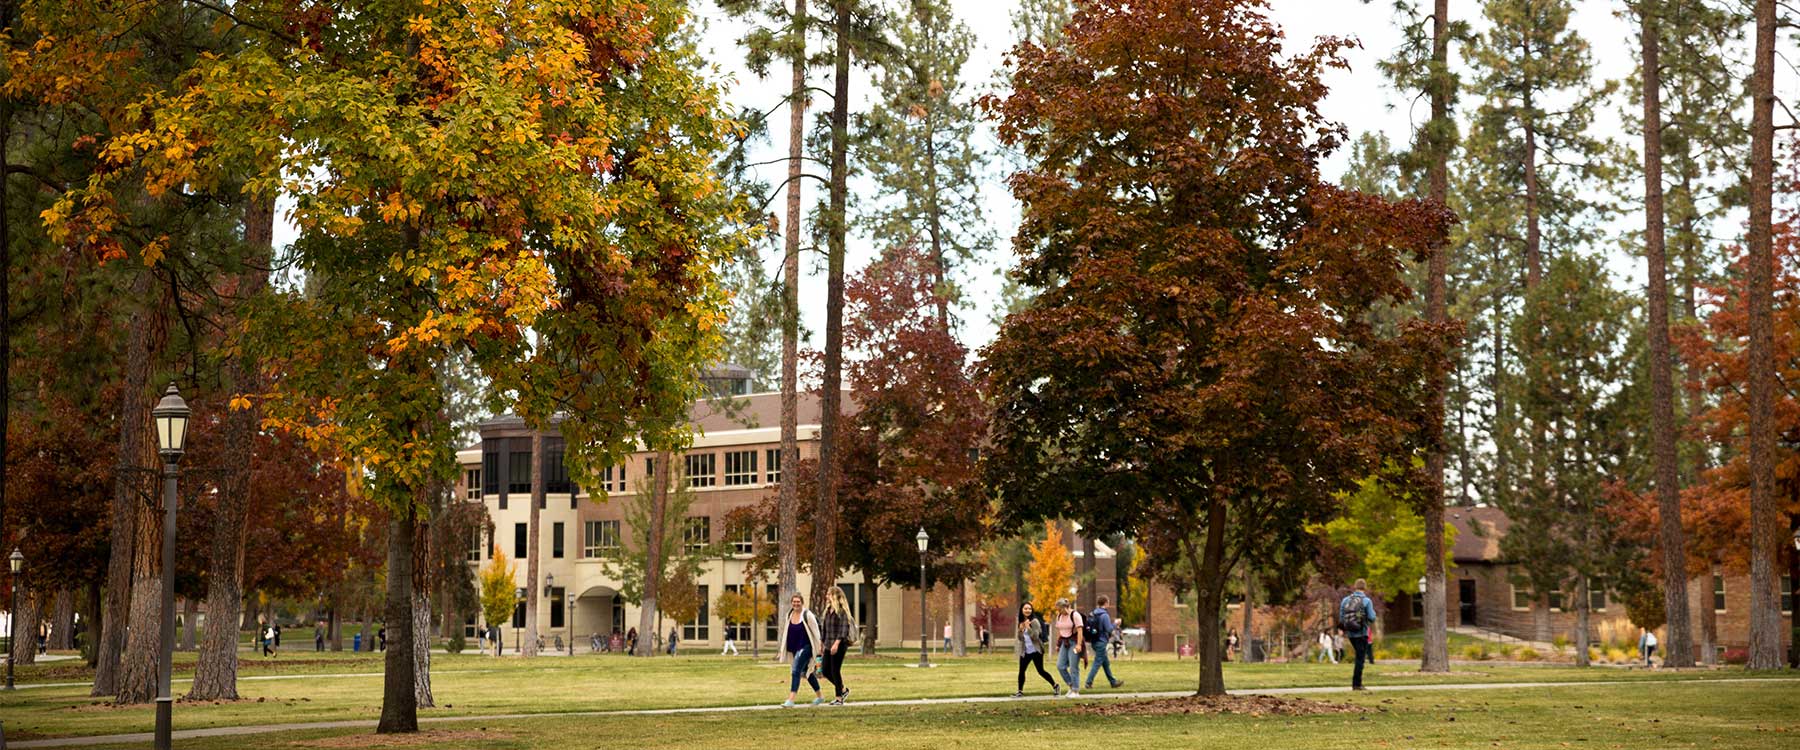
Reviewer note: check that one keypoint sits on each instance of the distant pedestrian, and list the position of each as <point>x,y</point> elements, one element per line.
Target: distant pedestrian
<point>1647,646</point>
<point>381,637</point>
<point>1327,650</point>
<point>1356,615</point>
<point>1100,622</point>
<point>631,641</point>
<point>674,640</point>
<point>730,644</point>
<point>947,633</point>
<point>1029,643</point>
<point>1231,644</point>
<point>1069,644</point>
<point>800,639</point>
<point>987,640</point>
<point>838,634</point>
<point>318,637</point>
<point>268,641</point>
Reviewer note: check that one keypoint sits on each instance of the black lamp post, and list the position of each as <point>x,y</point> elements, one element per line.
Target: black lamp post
<point>15,563</point>
<point>924,541</point>
<point>570,621</point>
<point>521,597</point>
<point>171,417</point>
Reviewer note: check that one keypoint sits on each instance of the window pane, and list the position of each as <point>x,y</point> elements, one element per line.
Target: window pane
<point>1787,594</point>
<point>740,468</point>
<point>1597,600</point>
<point>518,472</point>
<point>490,474</point>
<point>556,539</point>
<point>1719,593</point>
<point>519,541</point>
<point>1521,598</point>
<point>698,533</point>
<point>700,469</point>
<point>472,485</point>
<point>773,456</point>
<point>700,628</point>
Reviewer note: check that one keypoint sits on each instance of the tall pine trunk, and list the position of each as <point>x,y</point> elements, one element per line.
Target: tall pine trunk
<point>1709,622</point>
<point>399,702</point>
<point>133,415</point>
<point>23,640</point>
<point>1765,621</point>
<point>788,531</point>
<point>143,633</point>
<point>421,628</point>
<point>190,616</point>
<point>1436,641</point>
<point>62,621</point>
<point>1581,622</point>
<point>1679,634</point>
<point>215,675</point>
<point>653,553</point>
<point>531,560</point>
<point>824,552</point>
<point>871,634</point>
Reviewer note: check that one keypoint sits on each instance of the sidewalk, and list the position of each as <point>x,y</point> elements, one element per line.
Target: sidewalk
<point>145,737</point>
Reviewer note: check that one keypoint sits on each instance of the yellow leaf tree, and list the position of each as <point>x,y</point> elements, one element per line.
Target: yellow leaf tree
<point>499,594</point>
<point>1052,570</point>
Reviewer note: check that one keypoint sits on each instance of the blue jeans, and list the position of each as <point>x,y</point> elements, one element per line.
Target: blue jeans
<point>803,662</point>
<point>1101,661</point>
<point>1068,663</point>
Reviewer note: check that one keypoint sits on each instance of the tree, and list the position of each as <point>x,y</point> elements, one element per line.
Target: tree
<point>1052,571</point>
<point>499,591</point>
<point>646,562</point>
<point>1381,528</point>
<point>1199,284</point>
<point>1041,22</point>
<point>737,607</point>
<point>1765,614</point>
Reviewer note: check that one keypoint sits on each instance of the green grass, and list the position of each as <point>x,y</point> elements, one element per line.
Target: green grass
<point>1747,716</point>
<point>346,686</point>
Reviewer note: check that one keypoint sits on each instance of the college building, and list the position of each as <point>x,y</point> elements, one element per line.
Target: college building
<point>733,462</point>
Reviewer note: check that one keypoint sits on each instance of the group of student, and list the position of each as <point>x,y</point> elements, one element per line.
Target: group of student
<point>1074,633</point>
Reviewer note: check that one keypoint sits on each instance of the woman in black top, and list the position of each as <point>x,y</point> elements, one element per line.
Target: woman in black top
<point>835,633</point>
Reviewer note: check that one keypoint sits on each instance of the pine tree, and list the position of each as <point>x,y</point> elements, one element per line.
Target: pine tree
<point>1041,22</point>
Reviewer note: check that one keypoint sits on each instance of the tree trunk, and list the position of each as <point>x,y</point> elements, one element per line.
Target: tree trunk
<point>250,620</point>
<point>959,619</point>
<point>531,560</point>
<point>399,702</point>
<point>1534,262</point>
<point>872,633</point>
<point>128,491</point>
<point>1089,576</point>
<point>95,611</point>
<point>788,500</point>
<point>368,627</point>
<point>1709,624</point>
<point>1765,621</point>
<point>334,629</point>
<point>1540,617</point>
<point>190,616</point>
<point>62,621</point>
<point>1210,584</point>
<point>1249,608</point>
<point>1581,622</point>
<point>1793,555</point>
<point>1678,645</point>
<point>1435,646</point>
<point>23,640</point>
<point>421,628</point>
<point>143,636</point>
<point>824,552</point>
<point>653,553</point>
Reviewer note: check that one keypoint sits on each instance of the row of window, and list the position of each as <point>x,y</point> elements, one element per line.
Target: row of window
<point>701,470</point>
<point>1786,588</point>
<point>600,538</point>
<point>1597,599</point>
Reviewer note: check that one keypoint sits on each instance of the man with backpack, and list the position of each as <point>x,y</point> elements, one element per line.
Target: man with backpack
<point>1098,630</point>
<point>1355,615</point>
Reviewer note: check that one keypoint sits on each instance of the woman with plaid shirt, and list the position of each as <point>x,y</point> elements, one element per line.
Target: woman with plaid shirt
<point>836,633</point>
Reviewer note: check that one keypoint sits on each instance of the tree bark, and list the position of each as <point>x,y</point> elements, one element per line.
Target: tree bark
<point>399,702</point>
<point>1581,622</point>
<point>62,621</point>
<point>215,675</point>
<point>1249,609</point>
<point>1210,585</point>
<point>1435,655</point>
<point>1678,646</point>
<point>1534,263</point>
<point>133,416</point>
<point>787,535</point>
<point>959,618</point>
<point>653,552</point>
<point>23,640</point>
<point>190,616</point>
<point>368,627</point>
<point>143,636</point>
<point>334,629</point>
<point>1765,621</point>
<point>421,628</point>
<point>872,633</point>
<point>531,560</point>
<point>1709,623</point>
<point>824,551</point>
<point>1088,575</point>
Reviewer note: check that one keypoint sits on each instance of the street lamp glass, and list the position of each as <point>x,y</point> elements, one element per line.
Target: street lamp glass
<point>15,561</point>
<point>923,538</point>
<point>171,415</point>
<point>1421,584</point>
<point>549,583</point>
<point>1797,540</point>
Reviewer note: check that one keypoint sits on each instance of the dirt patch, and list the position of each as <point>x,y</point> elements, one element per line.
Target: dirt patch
<point>1246,705</point>
<point>428,738</point>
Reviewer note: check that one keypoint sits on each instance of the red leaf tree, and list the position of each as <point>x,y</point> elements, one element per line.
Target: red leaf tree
<point>1197,367</point>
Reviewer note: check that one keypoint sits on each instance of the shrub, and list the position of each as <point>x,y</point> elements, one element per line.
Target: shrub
<point>1561,642</point>
<point>1594,654</point>
<point>1736,656</point>
<point>457,642</point>
<point>1409,650</point>
<point>1381,654</point>
<point>1617,655</point>
<point>1506,650</point>
<point>1475,652</point>
<point>1528,653</point>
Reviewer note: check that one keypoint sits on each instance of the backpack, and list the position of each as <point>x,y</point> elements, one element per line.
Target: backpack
<point>1350,612</point>
<point>1090,628</point>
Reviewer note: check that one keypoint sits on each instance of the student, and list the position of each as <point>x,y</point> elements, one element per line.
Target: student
<point>1029,645</point>
<point>1069,645</point>
<point>674,640</point>
<point>631,640</point>
<point>381,637</point>
<point>1647,646</point>
<point>801,639</point>
<point>947,633</point>
<point>268,641</point>
<point>987,640</point>
<point>839,633</point>
<point>730,643</point>
<point>1327,649</point>
<point>1356,615</point>
<point>1231,643</point>
<point>1103,633</point>
<point>319,637</point>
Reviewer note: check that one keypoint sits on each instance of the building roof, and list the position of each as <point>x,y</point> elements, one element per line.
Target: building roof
<point>1478,532</point>
<point>753,411</point>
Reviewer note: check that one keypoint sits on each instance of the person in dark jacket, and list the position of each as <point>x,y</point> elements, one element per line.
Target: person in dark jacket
<point>1033,634</point>
<point>835,635</point>
<point>1356,617</point>
<point>1104,632</point>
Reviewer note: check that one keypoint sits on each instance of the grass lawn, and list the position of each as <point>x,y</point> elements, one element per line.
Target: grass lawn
<point>297,688</point>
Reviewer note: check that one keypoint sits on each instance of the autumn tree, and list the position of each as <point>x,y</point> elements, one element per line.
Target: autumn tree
<point>646,563</point>
<point>1195,368</point>
<point>1052,571</point>
<point>499,591</point>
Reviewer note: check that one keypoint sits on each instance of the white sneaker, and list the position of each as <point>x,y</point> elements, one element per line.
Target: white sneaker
<point>1073,693</point>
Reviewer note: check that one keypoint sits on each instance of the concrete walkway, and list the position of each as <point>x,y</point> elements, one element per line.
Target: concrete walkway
<point>369,725</point>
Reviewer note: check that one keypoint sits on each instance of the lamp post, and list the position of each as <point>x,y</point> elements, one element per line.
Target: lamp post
<point>171,418</point>
<point>570,603</point>
<point>924,541</point>
<point>15,563</point>
<point>521,597</point>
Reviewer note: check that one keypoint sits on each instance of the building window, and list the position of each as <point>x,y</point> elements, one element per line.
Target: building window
<point>771,630</point>
<point>1521,599</point>
<point>556,475</point>
<point>1718,593</point>
<point>701,628</point>
<point>773,456</point>
<point>556,539</point>
<point>601,538</point>
<point>698,532</point>
<point>1787,594</point>
<point>744,542</point>
<point>1418,606</point>
<point>519,543</point>
<point>1556,600</point>
<point>490,473</point>
<point>735,631</point>
<point>469,625</point>
<point>613,479</point>
<point>650,470</point>
<point>518,471</point>
<point>472,485</point>
<point>475,546</point>
<point>700,469</point>
<point>1597,599</point>
<point>740,468</point>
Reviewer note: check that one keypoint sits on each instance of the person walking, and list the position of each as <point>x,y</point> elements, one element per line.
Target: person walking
<point>1231,643</point>
<point>1101,623</point>
<point>631,640</point>
<point>268,641</point>
<point>1069,645</point>
<point>1327,649</point>
<point>730,643</point>
<point>674,640</point>
<point>947,632</point>
<point>1647,646</point>
<point>838,635</point>
<point>1356,615</point>
<point>1029,645</point>
<point>319,637</point>
<point>987,640</point>
<point>800,639</point>
<point>381,637</point>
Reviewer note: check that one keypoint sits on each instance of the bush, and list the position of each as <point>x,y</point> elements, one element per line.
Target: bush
<point>1381,654</point>
<point>1528,653</point>
<point>1506,650</point>
<point>1736,656</point>
<point>1409,650</point>
<point>1594,654</point>
<point>457,642</point>
<point>1475,652</point>
<point>1561,642</point>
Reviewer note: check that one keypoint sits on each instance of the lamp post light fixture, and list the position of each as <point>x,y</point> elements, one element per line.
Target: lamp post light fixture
<point>1422,583</point>
<point>549,583</point>
<point>171,418</point>
<point>924,541</point>
<point>15,562</point>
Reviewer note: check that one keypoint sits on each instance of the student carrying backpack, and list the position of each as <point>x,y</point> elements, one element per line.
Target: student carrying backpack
<point>1356,613</point>
<point>1098,629</point>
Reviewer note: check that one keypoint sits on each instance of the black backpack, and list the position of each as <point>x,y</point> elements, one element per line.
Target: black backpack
<point>1090,628</point>
<point>1350,612</point>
